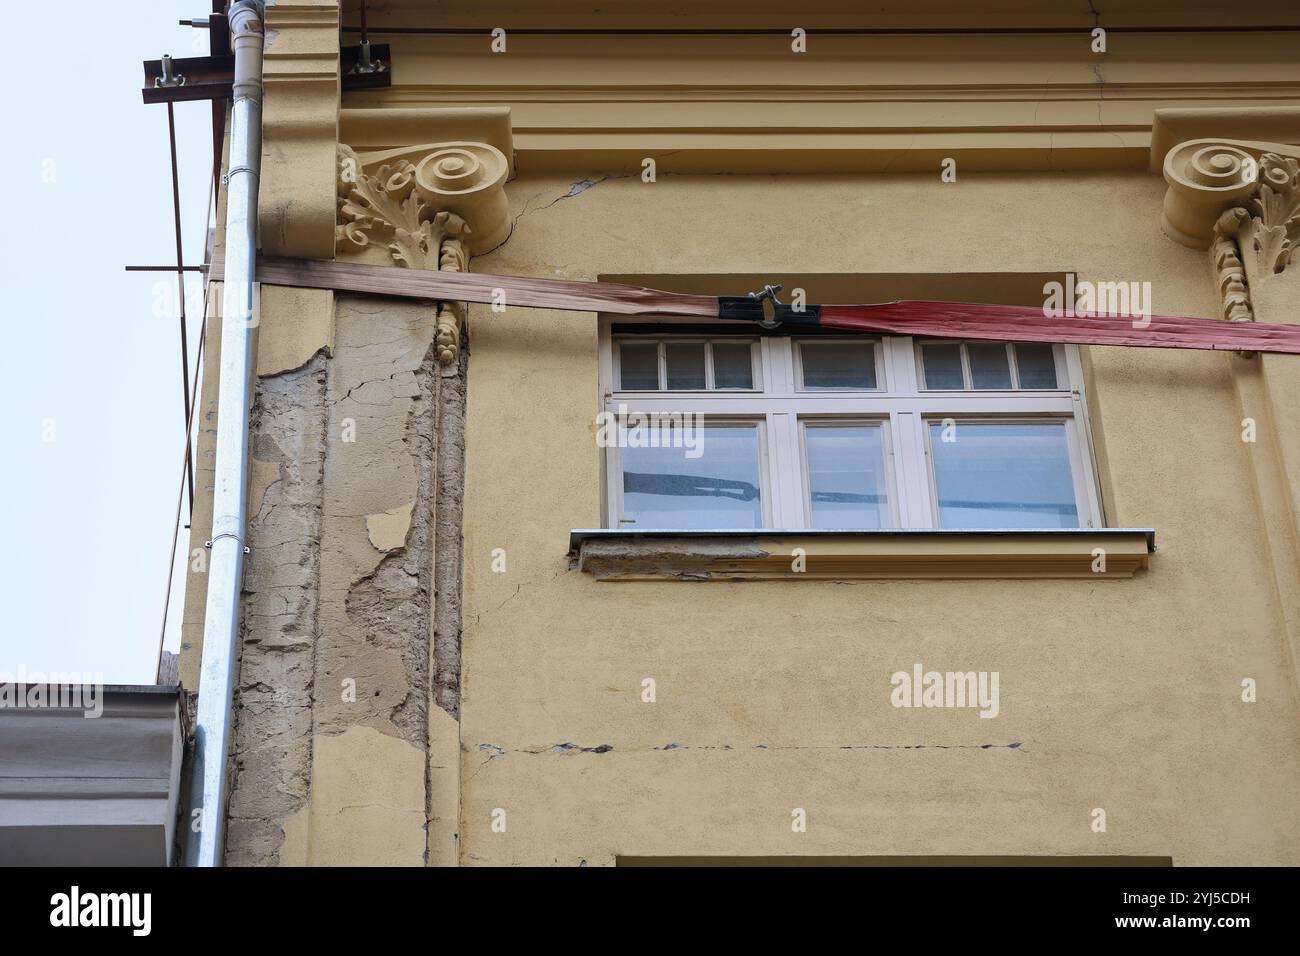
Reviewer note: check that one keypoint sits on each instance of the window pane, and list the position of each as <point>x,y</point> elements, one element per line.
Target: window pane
<point>846,476</point>
<point>733,365</point>
<point>1037,366</point>
<point>715,484</point>
<point>942,366</point>
<point>638,365</point>
<point>989,367</point>
<point>685,364</point>
<point>1003,476</point>
<point>838,364</point>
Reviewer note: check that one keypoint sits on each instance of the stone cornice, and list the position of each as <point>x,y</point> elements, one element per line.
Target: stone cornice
<point>851,104</point>
<point>778,14</point>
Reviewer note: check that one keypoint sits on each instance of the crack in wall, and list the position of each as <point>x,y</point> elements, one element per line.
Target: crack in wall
<point>495,751</point>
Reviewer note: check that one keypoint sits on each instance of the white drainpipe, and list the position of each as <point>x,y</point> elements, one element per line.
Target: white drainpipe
<point>226,561</point>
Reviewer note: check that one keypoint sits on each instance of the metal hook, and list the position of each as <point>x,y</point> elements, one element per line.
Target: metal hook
<point>769,303</point>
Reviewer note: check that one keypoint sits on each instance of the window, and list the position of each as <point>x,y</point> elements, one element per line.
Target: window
<point>684,364</point>
<point>731,431</point>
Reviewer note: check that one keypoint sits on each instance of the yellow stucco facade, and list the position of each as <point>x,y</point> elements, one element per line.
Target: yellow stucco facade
<point>429,678</point>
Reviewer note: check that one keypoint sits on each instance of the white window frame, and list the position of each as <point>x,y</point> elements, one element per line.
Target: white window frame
<point>899,403</point>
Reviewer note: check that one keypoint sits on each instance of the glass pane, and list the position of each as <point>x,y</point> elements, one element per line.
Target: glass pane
<point>1037,366</point>
<point>1003,476</point>
<point>942,366</point>
<point>838,364</point>
<point>685,364</point>
<point>713,484</point>
<point>846,476</point>
<point>638,366</point>
<point>989,366</point>
<point>733,365</point>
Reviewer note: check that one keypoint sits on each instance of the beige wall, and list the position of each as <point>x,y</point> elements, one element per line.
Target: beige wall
<point>1120,694</point>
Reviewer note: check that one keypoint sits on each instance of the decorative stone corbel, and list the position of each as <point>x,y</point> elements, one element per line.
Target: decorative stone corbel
<point>433,207</point>
<point>1242,200</point>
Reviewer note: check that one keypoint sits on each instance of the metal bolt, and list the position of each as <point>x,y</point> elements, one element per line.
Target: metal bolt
<point>364,64</point>
<point>169,77</point>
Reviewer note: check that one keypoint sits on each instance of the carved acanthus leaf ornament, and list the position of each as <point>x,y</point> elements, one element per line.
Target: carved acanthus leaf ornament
<point>1242,199</point>
<point>432,214</point>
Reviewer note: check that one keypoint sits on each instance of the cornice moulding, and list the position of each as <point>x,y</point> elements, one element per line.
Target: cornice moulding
<point>1278,124</point>
<point>770,14</point>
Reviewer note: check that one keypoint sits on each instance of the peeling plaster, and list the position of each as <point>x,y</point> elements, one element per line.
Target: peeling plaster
<point>352,449</point>
<point>273,699</point>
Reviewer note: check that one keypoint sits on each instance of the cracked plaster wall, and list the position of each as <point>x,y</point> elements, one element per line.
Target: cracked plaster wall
<point>775,695</point>
<point>333,759</point>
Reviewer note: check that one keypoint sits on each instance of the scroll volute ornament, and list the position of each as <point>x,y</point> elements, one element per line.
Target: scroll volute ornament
<point>1209,176</point>
<point>1241,200</point>
<point>432,206</point>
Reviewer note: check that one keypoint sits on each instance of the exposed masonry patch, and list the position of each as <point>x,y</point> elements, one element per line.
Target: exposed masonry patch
<point>273,700</point>
<point>611,559</point>
<point>571,748</point>
<point>375,617</point>
<point>392,606</point>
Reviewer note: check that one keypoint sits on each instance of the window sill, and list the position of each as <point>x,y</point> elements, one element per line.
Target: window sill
<point>622,555</point>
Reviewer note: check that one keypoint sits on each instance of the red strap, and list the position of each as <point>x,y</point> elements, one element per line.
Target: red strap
<point>1004,323</point>
<point>910,317</point>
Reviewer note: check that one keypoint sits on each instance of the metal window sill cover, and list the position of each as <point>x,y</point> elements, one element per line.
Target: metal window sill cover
<point>620,554</point>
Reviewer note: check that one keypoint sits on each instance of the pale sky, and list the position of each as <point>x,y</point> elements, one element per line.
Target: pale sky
<point>93,355</point>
